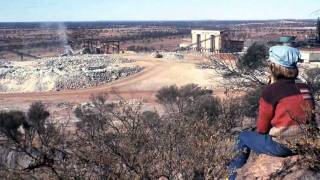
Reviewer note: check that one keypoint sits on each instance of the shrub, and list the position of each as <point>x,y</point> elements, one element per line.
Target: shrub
<point>39,149</point>
<point>10,123</point>
<point>313,79</point>
<point>126,142</point>
<point>192,137</point>
<point>168,95</point>
<point>191,100</point>
<point>37,115</point>
<point>254,58</point>
<point>307,145</point>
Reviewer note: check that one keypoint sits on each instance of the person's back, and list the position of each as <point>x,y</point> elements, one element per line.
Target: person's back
<point>285,105</point>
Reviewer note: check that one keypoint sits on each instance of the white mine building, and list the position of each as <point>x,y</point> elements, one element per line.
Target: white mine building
<point>214,41</point>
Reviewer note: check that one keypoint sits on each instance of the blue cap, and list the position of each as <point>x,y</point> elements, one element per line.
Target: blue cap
<point>284,56</point>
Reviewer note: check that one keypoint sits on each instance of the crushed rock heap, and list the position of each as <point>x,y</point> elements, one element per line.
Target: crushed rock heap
<point>63,73</point>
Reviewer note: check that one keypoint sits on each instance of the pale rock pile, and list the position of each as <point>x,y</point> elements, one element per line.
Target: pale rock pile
<point>4,67</point>
<point>169,55</point>
<point>60,73</point>
<point>173,55</point>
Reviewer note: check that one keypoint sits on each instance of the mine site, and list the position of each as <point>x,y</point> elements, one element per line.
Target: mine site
<point>52,59</point>
<point>143,98</point>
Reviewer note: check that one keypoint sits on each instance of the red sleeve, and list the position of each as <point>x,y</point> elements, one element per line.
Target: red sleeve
<point>265,116</point>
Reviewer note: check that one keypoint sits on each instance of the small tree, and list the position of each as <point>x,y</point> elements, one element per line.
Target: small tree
<point>313,79</point>
<point>35,141</point>
<point>191,100</point>
<point>254,58</point>
<point>249,72</point>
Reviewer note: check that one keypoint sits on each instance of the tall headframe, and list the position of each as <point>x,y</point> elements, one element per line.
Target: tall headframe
<point>318,31</point>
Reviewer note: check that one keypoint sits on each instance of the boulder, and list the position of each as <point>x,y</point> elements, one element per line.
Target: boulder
<point>267,167</point>
<point>13,159</point>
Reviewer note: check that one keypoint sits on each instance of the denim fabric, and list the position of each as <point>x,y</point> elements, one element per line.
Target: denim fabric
<point>259,143</point>
<point>284,55</point>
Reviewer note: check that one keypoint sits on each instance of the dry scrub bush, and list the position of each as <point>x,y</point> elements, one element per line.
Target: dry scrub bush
<point>254,58</point>
<point>312,76</point>
<point>193,138</point>
<point>248,73</point>
<point>34,146</point>
<point>191,100</point>
<point>308,145</point>
<point>119,140</point>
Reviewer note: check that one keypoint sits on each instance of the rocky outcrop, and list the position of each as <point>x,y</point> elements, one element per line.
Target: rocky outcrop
<point>267,167</point>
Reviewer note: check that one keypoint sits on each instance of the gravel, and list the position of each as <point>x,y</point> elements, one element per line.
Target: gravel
<point>62,73</point>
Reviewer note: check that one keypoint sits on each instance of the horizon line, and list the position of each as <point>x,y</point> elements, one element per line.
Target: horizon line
<point>199,20</point>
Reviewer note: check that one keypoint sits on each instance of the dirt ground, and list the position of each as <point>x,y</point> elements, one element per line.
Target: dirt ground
<point>141,86</point>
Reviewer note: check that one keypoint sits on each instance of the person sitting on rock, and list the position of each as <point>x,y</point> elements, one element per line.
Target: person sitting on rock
<point>284,106</point>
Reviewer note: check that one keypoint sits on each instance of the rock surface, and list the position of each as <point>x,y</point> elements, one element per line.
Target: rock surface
<point>267,167</point>
<point>12,159</point>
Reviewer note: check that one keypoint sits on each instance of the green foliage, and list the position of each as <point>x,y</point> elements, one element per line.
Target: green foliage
<point>191,100</point>
<point>301,44</point>
<point>168,95</point>
<point>38,145</point>
<point>37,115</point>
<point>34,120</point>
<point>10,122</point>
<point>254,58</point>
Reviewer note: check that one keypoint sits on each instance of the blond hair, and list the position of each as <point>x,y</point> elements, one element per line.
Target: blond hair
<point>281,72</point>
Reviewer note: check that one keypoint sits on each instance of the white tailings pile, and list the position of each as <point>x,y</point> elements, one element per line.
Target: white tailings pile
<point>60,73</point>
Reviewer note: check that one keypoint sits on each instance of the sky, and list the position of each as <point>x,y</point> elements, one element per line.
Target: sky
<point>137,10</point>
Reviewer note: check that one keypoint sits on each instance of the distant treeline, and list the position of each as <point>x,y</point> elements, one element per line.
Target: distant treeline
<point>113,24</point>
<point>151,35</point>
<point>77,42</point>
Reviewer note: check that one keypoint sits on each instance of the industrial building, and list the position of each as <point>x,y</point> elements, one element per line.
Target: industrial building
<point>214,41</point>
<point>206,40</point>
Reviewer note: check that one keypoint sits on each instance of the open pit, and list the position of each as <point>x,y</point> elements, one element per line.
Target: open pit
<point>63,73</point>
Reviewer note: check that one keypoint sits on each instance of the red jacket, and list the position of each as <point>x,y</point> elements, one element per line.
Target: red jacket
<point>283,104</point>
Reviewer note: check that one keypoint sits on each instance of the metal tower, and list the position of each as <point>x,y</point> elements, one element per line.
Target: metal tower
<point>318,31</point>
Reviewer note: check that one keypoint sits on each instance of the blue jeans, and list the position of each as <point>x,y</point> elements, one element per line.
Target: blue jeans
<point>259,143</point>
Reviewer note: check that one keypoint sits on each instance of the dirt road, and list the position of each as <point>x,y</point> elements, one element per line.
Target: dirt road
<point>143,85</point>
